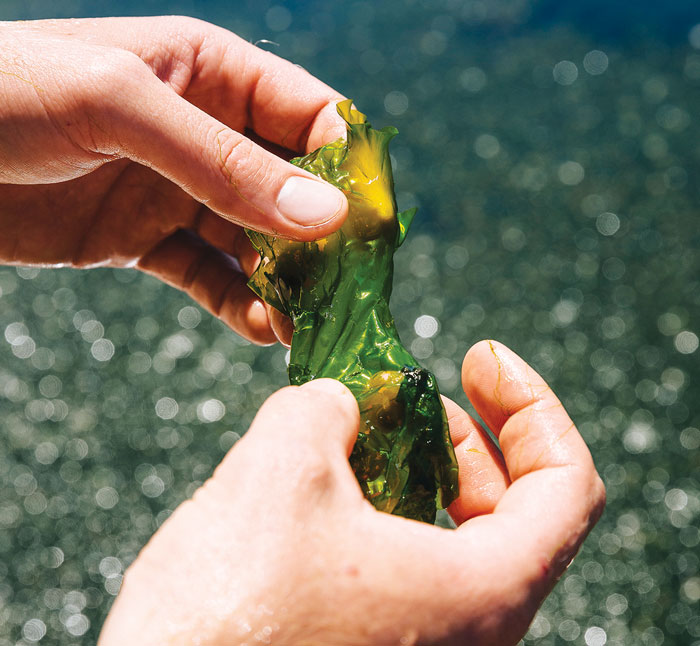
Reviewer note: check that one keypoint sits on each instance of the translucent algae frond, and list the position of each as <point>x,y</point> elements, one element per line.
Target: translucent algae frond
<point>336,292</point>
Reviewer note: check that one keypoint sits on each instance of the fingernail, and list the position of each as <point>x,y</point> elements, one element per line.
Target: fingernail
<point>282,327</point>
<point>309,202</point>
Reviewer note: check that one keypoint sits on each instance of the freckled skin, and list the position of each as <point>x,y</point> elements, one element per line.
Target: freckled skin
<point>336,291</point>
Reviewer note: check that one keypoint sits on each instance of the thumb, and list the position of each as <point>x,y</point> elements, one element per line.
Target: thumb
<point>321,417</point>
<point>223,169</point>
<point>303,435</point>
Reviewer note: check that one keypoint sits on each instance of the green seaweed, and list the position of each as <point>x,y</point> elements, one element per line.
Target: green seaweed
<point>336,292</point>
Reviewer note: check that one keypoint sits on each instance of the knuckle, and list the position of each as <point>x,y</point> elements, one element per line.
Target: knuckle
<point>101,88</point>
<point>243,164</point>
<point>235,154</point>
<point>116,65</point>
<point>186,31</point>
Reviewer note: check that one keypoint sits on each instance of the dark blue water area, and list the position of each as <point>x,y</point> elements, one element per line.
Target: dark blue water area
<point>621,22</point>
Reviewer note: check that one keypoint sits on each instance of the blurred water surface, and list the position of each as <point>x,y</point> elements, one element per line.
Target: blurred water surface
<point>553,151</point>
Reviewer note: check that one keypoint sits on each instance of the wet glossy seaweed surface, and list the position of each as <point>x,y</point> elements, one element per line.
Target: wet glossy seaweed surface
<point>555,165</point>
<point>336,291</point>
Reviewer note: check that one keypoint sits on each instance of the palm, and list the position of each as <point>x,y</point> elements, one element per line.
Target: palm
<point>114,215</point>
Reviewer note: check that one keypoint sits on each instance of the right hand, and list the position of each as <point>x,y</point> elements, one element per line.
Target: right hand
<point>123,143</point>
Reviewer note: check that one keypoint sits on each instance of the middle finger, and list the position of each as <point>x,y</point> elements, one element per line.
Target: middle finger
<point>483,478</point>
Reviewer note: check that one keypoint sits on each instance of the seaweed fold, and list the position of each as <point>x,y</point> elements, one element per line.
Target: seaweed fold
<point>336,291</point>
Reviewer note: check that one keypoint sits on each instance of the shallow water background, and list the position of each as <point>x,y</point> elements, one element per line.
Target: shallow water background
<point>553,149</point>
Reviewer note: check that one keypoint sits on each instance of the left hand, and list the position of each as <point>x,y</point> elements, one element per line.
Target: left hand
<point>280,547</point>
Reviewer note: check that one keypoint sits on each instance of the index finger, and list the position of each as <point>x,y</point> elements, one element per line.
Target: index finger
<point>246,87</point>
<point>232,80</point>
<point>285,104</point>
<point>556,494</point>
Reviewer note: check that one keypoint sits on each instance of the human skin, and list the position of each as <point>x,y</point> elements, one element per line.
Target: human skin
<point>303,558</point>
<point>124,143</point>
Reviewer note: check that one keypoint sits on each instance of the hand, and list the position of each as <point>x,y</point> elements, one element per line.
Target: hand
<point>121,145</point>
<point>280,547</point>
